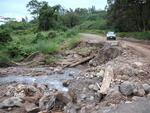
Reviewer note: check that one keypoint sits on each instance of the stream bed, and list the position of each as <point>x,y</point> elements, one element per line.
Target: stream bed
<point>53,81</point>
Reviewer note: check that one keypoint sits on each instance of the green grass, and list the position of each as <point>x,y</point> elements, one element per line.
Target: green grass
<point>95,31</point>
<point>138,35</point>
<point>48,42</point>
<point>4,59</point>
<point>72,43</point>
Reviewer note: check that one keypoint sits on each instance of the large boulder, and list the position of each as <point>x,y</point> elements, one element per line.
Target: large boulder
<point>11,102</point>
<point>31,108</point>
<point>57,99</point>
<point>126,88</point>
<point>146,88</point>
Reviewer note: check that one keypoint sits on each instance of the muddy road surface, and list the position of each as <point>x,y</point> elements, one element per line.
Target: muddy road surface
<point>140,47</point>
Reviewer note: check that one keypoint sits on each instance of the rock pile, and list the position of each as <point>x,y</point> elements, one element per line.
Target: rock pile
<point>34,98</point>
<point>131,80</point>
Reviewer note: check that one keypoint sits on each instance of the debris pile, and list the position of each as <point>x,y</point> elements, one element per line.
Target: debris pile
<point>100,86</point>
<point>34,98</point>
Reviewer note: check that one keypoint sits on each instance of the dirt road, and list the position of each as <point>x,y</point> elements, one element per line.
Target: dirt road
<point>138,46</point>
<point>92,38</point>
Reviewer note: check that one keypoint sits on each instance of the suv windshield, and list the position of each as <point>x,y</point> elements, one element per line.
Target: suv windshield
<point>111,33</point>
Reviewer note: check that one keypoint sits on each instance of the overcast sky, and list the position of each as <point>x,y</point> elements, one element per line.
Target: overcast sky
<point>17,8</point>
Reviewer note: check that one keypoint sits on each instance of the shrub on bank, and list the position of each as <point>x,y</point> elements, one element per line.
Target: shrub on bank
<point>4,37</point>
<point>138,35</point>
<point>4,59</point>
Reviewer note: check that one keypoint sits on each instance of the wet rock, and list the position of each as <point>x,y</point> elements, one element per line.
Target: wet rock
<point>91,98</point>
<point>146,88</point>
<point>72,73</point>
<point>127,70</point>
<point>65,83</point>
<point>93,62</point>
<point>83,97</point>
<point>42,86</point>
<point>33,99</point>
<point>140,92</point>
<point>113,95</point>
<point>70,108</point>
<point>59,70</point>
<point>126,88</point>
<point>1,105</point>
<point>83,110</point>
<point>10,90</point>
<point>20,94</point>
<point>93,87</point>
<point>137,64</point>
<point>47,102</point>
<point>100,74</point>
<point>123,77</point>
<point>137,98</point>
<point>31,108</point>
<point>62,98</point>
<point>51,68</point>
<point>73,94</point>
<point>11,102</point>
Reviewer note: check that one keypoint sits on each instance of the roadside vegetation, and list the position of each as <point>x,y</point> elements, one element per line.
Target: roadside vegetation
<point>53,26</point>
<point>138,35</point>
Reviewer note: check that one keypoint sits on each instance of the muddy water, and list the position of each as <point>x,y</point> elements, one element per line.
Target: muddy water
<point>53,81</point>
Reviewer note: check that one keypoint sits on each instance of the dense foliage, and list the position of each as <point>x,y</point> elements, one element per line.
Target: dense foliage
<point>53,25</point>
<point>4,37</point>
<point>129,15</point>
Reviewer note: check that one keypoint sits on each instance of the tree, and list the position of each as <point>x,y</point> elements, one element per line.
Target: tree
<point>34,7</point>
<point>48,17</point>
<point>122,18</point>
<point>71,19</point>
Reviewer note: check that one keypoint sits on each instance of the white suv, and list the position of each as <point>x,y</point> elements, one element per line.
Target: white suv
<point>111,36</point>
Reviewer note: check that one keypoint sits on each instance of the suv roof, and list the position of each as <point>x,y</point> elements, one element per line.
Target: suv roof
<point>110,32</point>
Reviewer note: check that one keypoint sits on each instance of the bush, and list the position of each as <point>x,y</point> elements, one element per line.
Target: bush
<point>51,34</point>
<point>73,43</point>
<point>71,32</point>
<point>4,60</point>
<point>46,47</point>
<point>39,36</point>
<point>138,35</point>
<point>4,37</point>
<point>92,25</point>
<point>13,50</point>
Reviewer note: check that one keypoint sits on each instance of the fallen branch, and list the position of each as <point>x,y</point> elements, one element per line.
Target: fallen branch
<point>108,76</point>
<point>81,61</point>
<point>31,56</point>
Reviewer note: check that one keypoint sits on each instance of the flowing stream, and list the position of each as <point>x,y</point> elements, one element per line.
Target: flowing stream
<point>53,81</point>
